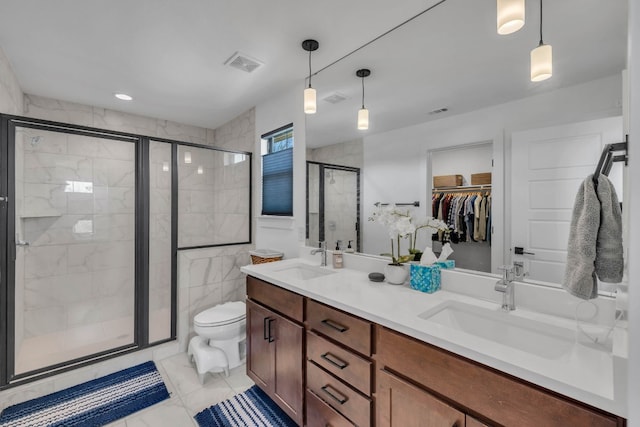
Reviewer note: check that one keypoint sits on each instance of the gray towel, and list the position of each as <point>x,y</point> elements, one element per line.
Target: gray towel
<point>595,239</point>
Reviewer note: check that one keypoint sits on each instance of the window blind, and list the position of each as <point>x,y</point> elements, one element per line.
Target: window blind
<point>277,183</point>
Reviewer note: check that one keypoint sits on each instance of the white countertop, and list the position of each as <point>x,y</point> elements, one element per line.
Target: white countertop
<point>586,372</point>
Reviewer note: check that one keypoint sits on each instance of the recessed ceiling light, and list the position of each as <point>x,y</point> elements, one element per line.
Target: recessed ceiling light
<point>123,96</point>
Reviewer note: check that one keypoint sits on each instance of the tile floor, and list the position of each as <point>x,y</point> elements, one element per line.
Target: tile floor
<point>188,396</point>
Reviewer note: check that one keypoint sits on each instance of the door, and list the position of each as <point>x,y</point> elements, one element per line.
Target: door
<point>548,165</point>
<point>289,360</point>
<point>400,404</point>
<point>260,352</point>
<point>71,246</point>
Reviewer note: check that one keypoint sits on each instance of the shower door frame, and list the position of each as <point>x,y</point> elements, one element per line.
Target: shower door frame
<point>8,124</point>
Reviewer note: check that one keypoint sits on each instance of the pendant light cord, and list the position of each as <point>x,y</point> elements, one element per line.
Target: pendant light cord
<point>309,68</point>
<point>362,92</point>
<point>541,43</point>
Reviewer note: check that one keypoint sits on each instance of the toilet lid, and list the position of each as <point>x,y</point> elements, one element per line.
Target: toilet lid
<point>222,314</point>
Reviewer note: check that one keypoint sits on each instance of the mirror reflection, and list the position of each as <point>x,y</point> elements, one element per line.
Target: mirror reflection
<point>437,88</point>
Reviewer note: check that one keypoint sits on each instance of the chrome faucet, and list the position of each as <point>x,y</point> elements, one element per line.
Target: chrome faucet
<point>323,251</point>
<point>505,285</point>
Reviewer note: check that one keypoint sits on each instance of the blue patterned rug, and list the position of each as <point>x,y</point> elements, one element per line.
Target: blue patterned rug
<point>251,408</point>
<point>94,403</point>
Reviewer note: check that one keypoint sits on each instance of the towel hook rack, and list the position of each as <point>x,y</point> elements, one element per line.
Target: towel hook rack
<point>416,204</point>
<point>607,158</point>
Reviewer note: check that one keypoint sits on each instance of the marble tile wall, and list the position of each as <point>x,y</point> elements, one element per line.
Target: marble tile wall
<point>213,193</point>
<point>78,217</point>
<point>348,153</point>
<point>207,277</point>
<point>11,96</point>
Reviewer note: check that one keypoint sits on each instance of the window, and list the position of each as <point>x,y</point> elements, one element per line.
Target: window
<point>277,172</point>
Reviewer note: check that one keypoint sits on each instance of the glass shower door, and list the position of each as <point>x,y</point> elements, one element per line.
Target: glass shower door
<point>74,269</point>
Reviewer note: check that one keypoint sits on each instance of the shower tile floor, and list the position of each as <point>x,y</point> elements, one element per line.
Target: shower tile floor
<point>188,396</point>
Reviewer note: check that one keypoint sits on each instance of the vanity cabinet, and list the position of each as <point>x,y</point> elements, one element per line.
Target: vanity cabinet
<point>275,345</point>
<point>419,384</point>
<point>339,367</point>
<point>399,403</point>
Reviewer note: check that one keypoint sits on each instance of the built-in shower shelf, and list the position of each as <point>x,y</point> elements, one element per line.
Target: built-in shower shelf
<point>35,215</point>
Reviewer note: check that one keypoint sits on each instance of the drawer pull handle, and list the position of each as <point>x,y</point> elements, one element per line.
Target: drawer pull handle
<point>334,394</point>
<point>271,339</point>
<point>334,325</point>
<point>334,360</point>
<point>265,330</point>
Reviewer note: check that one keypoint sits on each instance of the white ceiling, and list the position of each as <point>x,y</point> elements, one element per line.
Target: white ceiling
<point>169,55</point>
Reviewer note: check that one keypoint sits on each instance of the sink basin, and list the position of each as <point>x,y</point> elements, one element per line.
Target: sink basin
<point>304,271</point>
<point>542,339</point>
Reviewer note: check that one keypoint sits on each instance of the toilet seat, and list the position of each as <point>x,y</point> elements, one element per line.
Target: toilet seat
<point>220,315</point>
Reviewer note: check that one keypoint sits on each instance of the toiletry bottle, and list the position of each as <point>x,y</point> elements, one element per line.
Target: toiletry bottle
<point>337,256</point>
<point>349,249</point>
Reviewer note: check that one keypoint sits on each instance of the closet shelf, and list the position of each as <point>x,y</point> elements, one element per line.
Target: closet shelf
<point>463,188</point>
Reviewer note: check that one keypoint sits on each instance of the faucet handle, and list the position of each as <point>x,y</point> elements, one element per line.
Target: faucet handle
<point>508,272</point>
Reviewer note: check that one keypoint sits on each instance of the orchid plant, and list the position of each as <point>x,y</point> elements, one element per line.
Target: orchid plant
<point>401,225</point>
<point>428,223</point>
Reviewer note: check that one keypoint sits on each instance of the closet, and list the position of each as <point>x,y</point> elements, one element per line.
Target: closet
<point>460,179</point>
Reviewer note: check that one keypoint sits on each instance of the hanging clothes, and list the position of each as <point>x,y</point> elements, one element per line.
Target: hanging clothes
<point>467,214</point>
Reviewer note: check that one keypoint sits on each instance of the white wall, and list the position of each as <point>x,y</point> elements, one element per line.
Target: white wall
<point>463,161</point>
<point>395,162</point>
<point>634,211</point>
<point>284,234</point>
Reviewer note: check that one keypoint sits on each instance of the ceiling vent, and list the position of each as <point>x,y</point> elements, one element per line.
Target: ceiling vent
<point>243,62</point>
<point>334,98</point>
<point>439,110</point>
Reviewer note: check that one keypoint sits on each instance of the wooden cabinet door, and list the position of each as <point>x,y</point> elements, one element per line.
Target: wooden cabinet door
<point>287,338</point>
<point>260,352</point>
<point>400,404</point>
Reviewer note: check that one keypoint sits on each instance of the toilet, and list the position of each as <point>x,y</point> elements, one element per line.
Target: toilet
<point>220,344</point>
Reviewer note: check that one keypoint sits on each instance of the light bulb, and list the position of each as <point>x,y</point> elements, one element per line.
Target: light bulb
<point>363,119</point>
<point>310,100</point>
<point>200,170</point>
<point>187,157</point>
<point>541,63</point>
<point>165,166</point>
<point>510,16</point>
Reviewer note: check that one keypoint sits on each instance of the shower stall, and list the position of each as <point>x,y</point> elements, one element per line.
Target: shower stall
<point>89,239</point>
<point>333,205</point>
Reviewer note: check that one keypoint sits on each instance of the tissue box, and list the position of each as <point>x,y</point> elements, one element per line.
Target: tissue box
<point>448,263</point>
<point>425,278</point>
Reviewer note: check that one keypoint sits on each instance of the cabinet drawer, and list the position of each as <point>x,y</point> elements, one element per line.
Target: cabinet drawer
<point>342,327</point>
<point>276,298</point>
<point>319,414</point>
<point>339,396</point>
<point>500,398</point>
<point>342,363</point>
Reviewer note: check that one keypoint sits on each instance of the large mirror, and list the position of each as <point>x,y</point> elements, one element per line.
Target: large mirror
<point>446,82</point>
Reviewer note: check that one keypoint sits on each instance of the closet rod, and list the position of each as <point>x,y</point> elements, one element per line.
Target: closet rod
<point>416,204</point>
<point>486,187</point>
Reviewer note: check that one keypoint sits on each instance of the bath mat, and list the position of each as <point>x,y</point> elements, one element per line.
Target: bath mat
<point>251,408</point>
<point>94,403</point>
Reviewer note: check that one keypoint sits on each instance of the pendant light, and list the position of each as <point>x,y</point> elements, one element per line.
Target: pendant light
<point>510,16</point>
<point>363,113</point>
<point>310,93</point>
<point>541,58</point>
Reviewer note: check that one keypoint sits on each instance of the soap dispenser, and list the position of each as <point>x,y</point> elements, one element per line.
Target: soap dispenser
<point>337,256</point>
<point>349,249</point>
